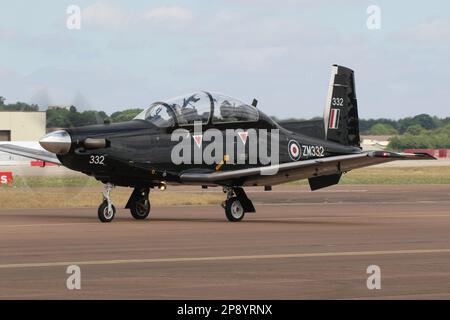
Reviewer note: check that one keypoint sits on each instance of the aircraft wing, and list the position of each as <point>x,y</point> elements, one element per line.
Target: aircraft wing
<point>276,174</point>
<point>29,152</point>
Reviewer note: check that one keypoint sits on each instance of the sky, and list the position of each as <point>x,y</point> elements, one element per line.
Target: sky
<point>128,54</point>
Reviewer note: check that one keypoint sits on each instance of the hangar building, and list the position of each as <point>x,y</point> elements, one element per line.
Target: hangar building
<point>22,126</point>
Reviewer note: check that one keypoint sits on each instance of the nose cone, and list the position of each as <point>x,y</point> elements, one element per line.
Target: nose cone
<point>58,142</point>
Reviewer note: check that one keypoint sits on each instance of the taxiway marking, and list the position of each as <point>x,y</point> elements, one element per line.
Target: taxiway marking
<point>222,258</point>
<point>268,219</point>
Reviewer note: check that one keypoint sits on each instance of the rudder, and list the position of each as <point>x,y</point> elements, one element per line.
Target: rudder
<point>341,120</point>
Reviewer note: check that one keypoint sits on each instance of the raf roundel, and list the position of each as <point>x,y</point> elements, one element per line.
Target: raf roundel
<point>294,150</point>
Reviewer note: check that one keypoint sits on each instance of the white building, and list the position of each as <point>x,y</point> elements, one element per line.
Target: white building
<point>20,126</point>
<point>375,142</point>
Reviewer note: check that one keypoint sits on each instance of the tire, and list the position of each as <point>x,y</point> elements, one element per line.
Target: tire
<point>103,214</point>
<point>234,210</point>
<point>140,209</point>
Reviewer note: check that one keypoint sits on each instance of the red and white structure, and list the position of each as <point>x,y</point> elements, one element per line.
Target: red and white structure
<point>6,177</point>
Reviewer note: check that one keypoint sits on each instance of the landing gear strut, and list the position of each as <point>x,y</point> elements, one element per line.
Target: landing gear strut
<point>139,203</point>
<point>237,204</point>
<point>106,211</point>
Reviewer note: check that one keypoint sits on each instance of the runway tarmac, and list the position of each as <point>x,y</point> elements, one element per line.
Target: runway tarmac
<point>299,245</point>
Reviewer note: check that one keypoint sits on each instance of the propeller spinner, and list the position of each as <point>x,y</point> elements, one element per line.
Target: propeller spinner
<point>58,142</point>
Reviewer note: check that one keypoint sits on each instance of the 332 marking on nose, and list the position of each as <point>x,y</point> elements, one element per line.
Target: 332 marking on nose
<point>97,160</point>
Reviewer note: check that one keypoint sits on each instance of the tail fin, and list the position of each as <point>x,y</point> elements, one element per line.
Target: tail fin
<point>341,110</point>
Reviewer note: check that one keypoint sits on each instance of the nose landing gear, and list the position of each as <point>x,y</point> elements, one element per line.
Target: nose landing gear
<point>106,210</point>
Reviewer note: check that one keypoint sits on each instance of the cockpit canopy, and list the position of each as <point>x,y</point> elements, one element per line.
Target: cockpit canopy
<point>198,107</point>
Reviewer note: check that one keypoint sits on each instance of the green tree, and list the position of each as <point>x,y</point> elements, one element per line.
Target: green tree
<point>63,118</point>
<point>425,120</point>
<point>415,130</point>
<point>436,139</point>
<point>381,129</point>
<point>445,130</point>
<point>408,141</point>
<point>366,125</point>
<point>125,115</point>
<point>57,118</point>
<point>18,106</point>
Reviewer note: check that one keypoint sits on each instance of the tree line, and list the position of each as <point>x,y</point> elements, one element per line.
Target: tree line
<point>66,117</point>
<point>18,106</point>
<point>420,132</point>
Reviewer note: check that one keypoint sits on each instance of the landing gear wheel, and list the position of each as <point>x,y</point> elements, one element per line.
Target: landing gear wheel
<point>140,209</point>
<point>234,209</point>
<point>104,214</point>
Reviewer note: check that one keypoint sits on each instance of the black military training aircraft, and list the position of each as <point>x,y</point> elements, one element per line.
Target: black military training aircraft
<point>149,151</point>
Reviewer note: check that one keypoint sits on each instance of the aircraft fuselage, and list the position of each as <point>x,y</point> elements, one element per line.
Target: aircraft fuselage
<point>138,153</point>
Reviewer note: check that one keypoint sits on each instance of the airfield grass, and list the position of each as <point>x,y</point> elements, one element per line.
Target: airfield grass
<point>80,197</point>
<point>82,191</point>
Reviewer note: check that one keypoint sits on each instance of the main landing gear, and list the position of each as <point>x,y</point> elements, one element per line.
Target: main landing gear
<point>237,204</point>
<point>139,204</point>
